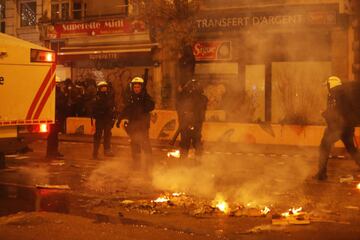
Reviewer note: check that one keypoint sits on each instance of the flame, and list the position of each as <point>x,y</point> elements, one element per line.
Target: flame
<point>292,211</point>
<point>358,186</point>
<point>223,207</point>
<point>162,199</point>
<point>265,210</point>
<point>175,154</point>
<point>177,194</point>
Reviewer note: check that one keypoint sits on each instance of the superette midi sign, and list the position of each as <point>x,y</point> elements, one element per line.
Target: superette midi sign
<point>94,28</point>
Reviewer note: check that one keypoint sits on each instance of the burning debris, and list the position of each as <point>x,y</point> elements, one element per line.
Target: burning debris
<point>194,206</point>
<point>294,216</point>
<point>346,179</point>
<point>223,207</point>
<point>161,199</point>
<point>174,154</point>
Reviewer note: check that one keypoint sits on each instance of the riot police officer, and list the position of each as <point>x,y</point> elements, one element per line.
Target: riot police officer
<point>136,115</point>
<point>341,117</point>
<point>104,115</point>
<point>61,110</point>
<point>191,106</point>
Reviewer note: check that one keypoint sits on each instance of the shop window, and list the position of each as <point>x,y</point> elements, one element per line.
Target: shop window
<point>255,92</point>
<point>27,13</point>
<point>2,16</point>
<point>60,10</point>
<point>298,94</point>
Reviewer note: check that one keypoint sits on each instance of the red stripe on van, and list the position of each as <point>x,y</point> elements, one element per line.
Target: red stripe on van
<point>45,98</point>
<point>40,91</point>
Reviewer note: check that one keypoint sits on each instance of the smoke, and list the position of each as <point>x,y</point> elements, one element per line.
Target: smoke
<point>33,176</point>
<point>239,179</point>
<point>109,176</point>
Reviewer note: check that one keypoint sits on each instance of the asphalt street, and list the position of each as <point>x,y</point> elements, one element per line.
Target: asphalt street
<point>111,192</point>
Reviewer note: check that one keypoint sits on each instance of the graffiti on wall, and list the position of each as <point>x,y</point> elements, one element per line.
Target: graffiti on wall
<point>119,78</point>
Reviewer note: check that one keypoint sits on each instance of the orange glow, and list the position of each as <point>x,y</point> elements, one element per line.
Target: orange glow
<point>175,154</point>
<point>292,211</point>
<point>49,57</point>
<point>177,194</point>
<point>161,199</point>
<point>221,204</point>
<point>265,210</point>
<point>358,186</point>
<point>43,128</point>
<point>223,207</point>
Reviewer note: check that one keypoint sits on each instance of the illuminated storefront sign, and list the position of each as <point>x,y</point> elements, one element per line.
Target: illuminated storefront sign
<point>238,21</point>
<point>94,28</point>
<point>212,50</point>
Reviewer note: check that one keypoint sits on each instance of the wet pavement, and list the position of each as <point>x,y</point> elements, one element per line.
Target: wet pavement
<point>108,191</point>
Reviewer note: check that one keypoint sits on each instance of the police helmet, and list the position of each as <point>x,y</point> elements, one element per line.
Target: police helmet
<point>137,80</point>
<point>102,83</point>
<point>333,81</point>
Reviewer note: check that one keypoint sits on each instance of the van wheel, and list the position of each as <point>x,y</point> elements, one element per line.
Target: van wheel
<point>2,160</point>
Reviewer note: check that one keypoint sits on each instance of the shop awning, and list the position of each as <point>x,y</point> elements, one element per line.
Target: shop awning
<point>86,50</point>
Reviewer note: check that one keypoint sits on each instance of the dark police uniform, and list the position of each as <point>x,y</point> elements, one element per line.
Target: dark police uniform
<point>341,116</point>
<point>137,111</point>
<point>103,113</point>
<point>60,117</point>
<point>191,107</point>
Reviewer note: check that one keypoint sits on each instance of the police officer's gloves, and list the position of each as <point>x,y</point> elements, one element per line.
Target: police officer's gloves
<point>126,122</point>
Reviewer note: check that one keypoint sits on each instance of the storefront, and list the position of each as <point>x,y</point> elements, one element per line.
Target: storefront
<point>114,50</point>
<point>271,64</point>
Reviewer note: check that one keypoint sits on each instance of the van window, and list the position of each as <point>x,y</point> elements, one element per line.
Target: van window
<point>2,16</point>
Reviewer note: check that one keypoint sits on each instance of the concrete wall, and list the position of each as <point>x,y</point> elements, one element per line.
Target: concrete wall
<point>164,124</point>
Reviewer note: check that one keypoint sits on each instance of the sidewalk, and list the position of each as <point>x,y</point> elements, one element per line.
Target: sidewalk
<point>224,147</point>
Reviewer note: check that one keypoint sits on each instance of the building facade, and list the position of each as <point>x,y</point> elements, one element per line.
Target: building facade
<point>259,60</point>
<point>268,60</point>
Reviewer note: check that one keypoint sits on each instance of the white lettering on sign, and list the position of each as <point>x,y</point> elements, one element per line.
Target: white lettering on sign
<point>81,26</point>
<point>114,24</point>
<point>202,50</point>
<point>236,22</point>
<point>277,20</point>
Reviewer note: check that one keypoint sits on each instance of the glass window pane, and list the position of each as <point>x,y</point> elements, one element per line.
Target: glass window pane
<point>28,14</point>
<point>2,9</point>
<point>2,27</point>
<point>55,13</point>
<point>65,11</point>
<point>298,92</point>
<point>77,10</point>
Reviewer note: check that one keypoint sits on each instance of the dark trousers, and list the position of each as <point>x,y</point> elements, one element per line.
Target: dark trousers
<point>53,140</point>
<point>331,135</point>
<point>191,137</point>
<point>102,127</point>
<point>140,142</point>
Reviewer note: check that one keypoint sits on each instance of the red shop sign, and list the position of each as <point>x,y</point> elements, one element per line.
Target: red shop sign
<point>93,28</point>
<point>212,50</point>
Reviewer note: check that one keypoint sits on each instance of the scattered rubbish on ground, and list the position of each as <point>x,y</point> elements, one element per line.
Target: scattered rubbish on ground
<point>346,179</point>
<point>57,163</point>
<point>294,216</point>
<point>352,207</point>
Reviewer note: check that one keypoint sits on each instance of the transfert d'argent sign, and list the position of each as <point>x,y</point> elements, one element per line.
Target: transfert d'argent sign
<point>239,21</point>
